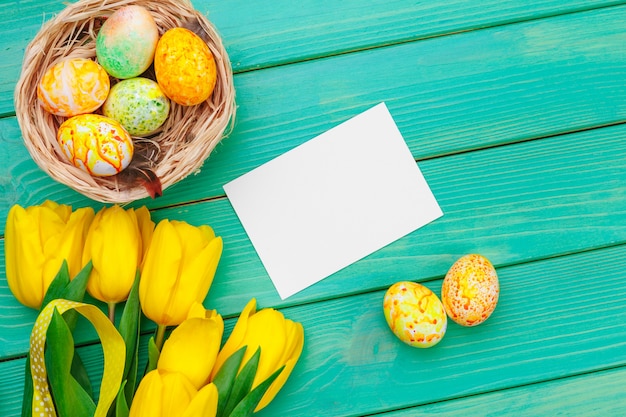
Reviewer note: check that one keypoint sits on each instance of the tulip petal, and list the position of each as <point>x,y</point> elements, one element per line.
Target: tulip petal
<point>204,404</point>
<point>146,230</point>
<point>236,338</point>
<point>159,274</point>
<point>267,329</point>
<point>13,233</point>
<point>112,244</point>
<point>197,310</point>
<point>192,348</point>
<point>195,279</point>
<point>74,236</point>
<point>26,234</point>
<point>147,400</point>
<point>294,350</point>
<point>177,393</point>
<point>61,210</point>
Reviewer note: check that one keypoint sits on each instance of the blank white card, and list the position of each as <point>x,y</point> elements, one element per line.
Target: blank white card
<point>332,200</point>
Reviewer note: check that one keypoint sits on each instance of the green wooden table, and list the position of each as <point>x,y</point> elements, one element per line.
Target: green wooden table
<point>514,111</point>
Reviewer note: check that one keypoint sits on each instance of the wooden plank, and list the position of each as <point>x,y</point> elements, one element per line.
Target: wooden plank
<point>447,95</point>
<point>512,204</point>
<point>555,318</point>
<point>256,36</point>
<point>596,394</point>
<point>259,37</point>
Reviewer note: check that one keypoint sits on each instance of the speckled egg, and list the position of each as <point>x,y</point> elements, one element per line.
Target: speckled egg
<point>73,86</point>
<point>96,144</point>
<point>184,66</point>
<point>470,290</point>
<point>138,104</point>
<point>414,314</point>
<point>126,42</point>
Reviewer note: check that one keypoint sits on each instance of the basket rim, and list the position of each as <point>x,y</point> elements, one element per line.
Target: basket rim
<point>183,143</point>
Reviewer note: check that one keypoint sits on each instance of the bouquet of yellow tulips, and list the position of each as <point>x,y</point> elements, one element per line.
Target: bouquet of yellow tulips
<point>55,255</point>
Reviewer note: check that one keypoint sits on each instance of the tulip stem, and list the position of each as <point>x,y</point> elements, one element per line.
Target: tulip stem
<point>112,312</point>
<point>160,335</point>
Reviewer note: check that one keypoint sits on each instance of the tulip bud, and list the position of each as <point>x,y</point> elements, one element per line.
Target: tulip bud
<point>281,341</point>
<point>166,394</point>
<point>37,240</point>
<point>192,347</point>
<point>115,246</point>
<point>178,270</point>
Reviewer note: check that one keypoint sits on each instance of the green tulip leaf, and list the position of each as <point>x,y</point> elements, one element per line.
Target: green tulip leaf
<point>121,405</point>
<point>246,407</point>
<point>225,378</point>
<point>243,382</point>
<point>79,372</point>
<point>62,287</point>
<point>58,286</point>
<point>27,397</point>
<point>153,355</point>
<point>70,398</point>
<point>129,328</point>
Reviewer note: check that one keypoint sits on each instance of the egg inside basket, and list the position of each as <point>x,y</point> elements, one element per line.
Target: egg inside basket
<point>178,148</point>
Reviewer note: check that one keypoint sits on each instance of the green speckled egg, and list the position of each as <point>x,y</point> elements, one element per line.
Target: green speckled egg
<point>138,104</point>
<point>126,42</point>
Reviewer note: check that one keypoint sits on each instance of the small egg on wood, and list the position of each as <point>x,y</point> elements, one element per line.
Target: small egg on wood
<point>126,42</point>
<point>73,86</point>
<point>96,144</point>
<point>138,104</point>
<point>414,314</point>
<point>470,290</point>
<point>185,67</point>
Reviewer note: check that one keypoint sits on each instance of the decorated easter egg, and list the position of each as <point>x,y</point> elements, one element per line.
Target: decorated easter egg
<point>138,104</point>
<point>414,314</point>
<point>470,290</point>
<point>126,42</point>
<point>96,144</point>
<point>184,66</point>
<point>73,86</point>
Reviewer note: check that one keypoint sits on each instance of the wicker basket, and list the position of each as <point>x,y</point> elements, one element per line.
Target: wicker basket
<point>180,146</point>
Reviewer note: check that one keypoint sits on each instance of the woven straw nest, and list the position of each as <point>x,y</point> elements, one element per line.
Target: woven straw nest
<point>180,146</point>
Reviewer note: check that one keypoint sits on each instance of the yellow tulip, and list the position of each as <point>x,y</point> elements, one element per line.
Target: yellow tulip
<point>115,246</point>
<point>192,347</point>
<point>171,394</point>
<point>37,240</point>
<point>281,341</point>
<point>178,270</point>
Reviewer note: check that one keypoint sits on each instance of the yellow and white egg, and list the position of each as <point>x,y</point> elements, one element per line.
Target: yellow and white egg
<point>73,86</point>
<point>415,314</point>
<point>470,290</point>
<point>96,144</point>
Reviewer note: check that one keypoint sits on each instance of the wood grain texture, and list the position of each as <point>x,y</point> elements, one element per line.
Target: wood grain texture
<point>515,112</point>
<point>555,318</point>
<point>447,95</point>
<point>256,36</point>
<point>512,204</point>
<point>597,394</point>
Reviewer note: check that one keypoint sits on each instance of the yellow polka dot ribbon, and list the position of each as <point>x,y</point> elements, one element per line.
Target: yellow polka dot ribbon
<point>112,345</point>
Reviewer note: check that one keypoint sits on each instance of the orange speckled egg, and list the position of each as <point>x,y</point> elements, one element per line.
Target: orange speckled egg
<point>96,144</point>
<point>415,314</point>
<point>470,290</point>
<point>184,66</point>
<point>73,86</point>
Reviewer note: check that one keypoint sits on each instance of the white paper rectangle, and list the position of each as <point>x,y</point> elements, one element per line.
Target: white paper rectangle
<point>332,200</point>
